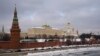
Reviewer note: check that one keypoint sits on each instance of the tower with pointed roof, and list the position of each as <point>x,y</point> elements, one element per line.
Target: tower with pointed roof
<point>70,30</point>
<point>3,31</point>
<point>15,31</point>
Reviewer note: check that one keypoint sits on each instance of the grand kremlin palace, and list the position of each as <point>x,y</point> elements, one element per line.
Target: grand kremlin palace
<point>68,30</point>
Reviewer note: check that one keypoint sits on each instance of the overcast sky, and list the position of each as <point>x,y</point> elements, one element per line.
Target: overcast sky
<point>84,15</point>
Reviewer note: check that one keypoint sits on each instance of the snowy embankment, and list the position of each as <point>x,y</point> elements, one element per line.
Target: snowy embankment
<point>72,50</point>
<point>68,52</point>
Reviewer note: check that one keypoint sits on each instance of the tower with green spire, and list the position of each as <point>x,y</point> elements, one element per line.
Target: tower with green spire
<point>15,31</point>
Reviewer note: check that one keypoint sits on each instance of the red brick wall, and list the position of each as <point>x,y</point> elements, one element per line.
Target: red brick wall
<point>11,45</point>
<point>40,44</point>
<point>5,45</point>
<point>8,45</point>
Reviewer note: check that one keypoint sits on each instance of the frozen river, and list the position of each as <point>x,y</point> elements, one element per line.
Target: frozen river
<point>90,51</point>
<point>87,51</point>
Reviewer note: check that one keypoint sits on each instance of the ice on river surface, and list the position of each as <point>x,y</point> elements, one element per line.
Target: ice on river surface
<point>90,51</point>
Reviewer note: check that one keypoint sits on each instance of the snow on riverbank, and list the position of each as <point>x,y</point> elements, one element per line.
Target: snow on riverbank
<point>68,52</point>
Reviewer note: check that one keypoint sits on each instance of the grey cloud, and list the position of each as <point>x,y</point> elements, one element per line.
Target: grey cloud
<point>83,14</point>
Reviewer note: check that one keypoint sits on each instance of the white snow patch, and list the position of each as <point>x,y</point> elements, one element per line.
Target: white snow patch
<point>63,52</point>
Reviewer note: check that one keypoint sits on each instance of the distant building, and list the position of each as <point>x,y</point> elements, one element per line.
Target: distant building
<point>45,29</point>
<point>68,30</point>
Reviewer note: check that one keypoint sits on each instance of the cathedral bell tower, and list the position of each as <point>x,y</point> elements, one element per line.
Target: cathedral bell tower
<point>15,32</point>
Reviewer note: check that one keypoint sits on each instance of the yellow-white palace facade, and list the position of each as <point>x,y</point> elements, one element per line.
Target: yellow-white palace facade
<point>68,30</point>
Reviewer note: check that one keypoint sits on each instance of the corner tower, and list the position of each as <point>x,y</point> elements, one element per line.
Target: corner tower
<point>15,31</point>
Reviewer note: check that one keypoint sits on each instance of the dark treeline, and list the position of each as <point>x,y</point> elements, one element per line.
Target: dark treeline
<point>84,35</point>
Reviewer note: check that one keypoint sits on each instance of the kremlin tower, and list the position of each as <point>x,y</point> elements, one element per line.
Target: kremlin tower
<point>15,32</point>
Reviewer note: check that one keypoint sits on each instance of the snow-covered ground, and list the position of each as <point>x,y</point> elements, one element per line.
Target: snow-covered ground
<point>83,50</point>
<point>89,51</point>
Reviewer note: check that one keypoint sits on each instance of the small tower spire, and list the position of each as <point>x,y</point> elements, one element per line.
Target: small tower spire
<point>3,30</point>
<point>15,13</point>
<point>15,19</point>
